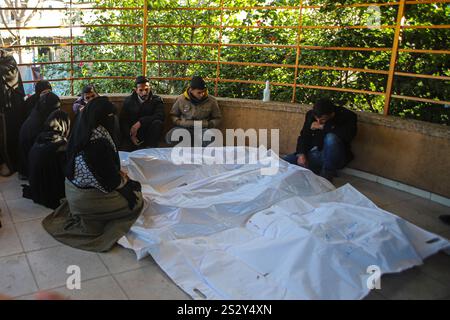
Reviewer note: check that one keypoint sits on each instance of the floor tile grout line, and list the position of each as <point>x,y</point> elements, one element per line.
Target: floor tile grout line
<point>112,276</point>
<point>134,269</point>
<point>129,270</point>
<point>62,286</point>
<point>84,280</point>
<point>23,249</point>
<point>105,276</point>
<point>22,220</point>
<point>34,250</point>
<point>8,212</point>
<point>121,288</point>
<point>31,251</point>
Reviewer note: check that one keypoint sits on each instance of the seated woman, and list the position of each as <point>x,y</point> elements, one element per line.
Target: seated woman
<point>46,162</point>
<point>33,126</point>
<point>87,94</point>
<point>42,87</point>
<point>102,203</point>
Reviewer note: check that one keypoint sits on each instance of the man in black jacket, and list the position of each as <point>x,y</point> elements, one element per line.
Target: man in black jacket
<point>142,117</point>
<point>324,142</point>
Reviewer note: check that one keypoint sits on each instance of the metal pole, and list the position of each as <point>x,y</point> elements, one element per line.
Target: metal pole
<point>297,58</point>
<point>144,40</point>
<point>394,55</point>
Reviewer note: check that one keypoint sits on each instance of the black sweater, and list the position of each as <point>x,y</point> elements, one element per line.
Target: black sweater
<point>343,124</point>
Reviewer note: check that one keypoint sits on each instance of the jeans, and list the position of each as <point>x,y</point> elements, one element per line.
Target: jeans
<point>325,161</point>
<point>172,141</point>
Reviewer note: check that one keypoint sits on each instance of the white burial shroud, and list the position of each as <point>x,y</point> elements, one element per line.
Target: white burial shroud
<point>226,231</point>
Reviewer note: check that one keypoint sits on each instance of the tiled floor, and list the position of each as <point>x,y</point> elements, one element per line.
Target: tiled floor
<point>30,260</point>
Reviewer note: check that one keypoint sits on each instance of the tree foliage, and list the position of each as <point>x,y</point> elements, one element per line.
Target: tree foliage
<point>203,27</point>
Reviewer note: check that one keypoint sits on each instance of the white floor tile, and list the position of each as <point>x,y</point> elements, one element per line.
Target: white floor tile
<point>149,283</point>
<point>12,189</point>
<point>25,209</point>
<point>105,288</point>
<point>120,259</point>
<point>9,241</point>
<point>5,217</point>
<point>34,236</point>
<point>16,278</point>
<point>50,265</point>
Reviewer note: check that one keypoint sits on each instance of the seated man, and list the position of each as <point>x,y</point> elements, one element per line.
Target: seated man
<point>324,142</point>
<point>142,117</point>
<point>87,94</point>
<point>194,105</point>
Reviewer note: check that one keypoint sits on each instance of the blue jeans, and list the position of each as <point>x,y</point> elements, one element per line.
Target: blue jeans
<point>328,160</point>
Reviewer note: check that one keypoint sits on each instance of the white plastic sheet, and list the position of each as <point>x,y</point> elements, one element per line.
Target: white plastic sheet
<point>229,232</point>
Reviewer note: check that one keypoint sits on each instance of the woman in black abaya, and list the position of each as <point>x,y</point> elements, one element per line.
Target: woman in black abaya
<point>46,162</point>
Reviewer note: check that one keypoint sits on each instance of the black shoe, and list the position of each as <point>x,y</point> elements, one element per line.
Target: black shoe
<point>445,218</point>
<point>327,174</point>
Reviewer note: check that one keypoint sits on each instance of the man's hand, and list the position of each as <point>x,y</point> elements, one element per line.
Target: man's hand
<point>134,129</point>
<point>123,174</point>
<point>316,126</point>
<point>135,140</point>
<point>301,160</point>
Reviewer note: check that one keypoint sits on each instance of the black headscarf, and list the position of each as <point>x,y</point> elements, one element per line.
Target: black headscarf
<point>56,128</point>
<point>10,80</point>
<point>99,111</point>
<point>41,86</point>
<point>47,103</point>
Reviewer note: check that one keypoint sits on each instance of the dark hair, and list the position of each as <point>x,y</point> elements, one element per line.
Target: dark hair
<point>88,88</point>
<point>141,79</point>
<point>323,107</point>
<point>197,82</point>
